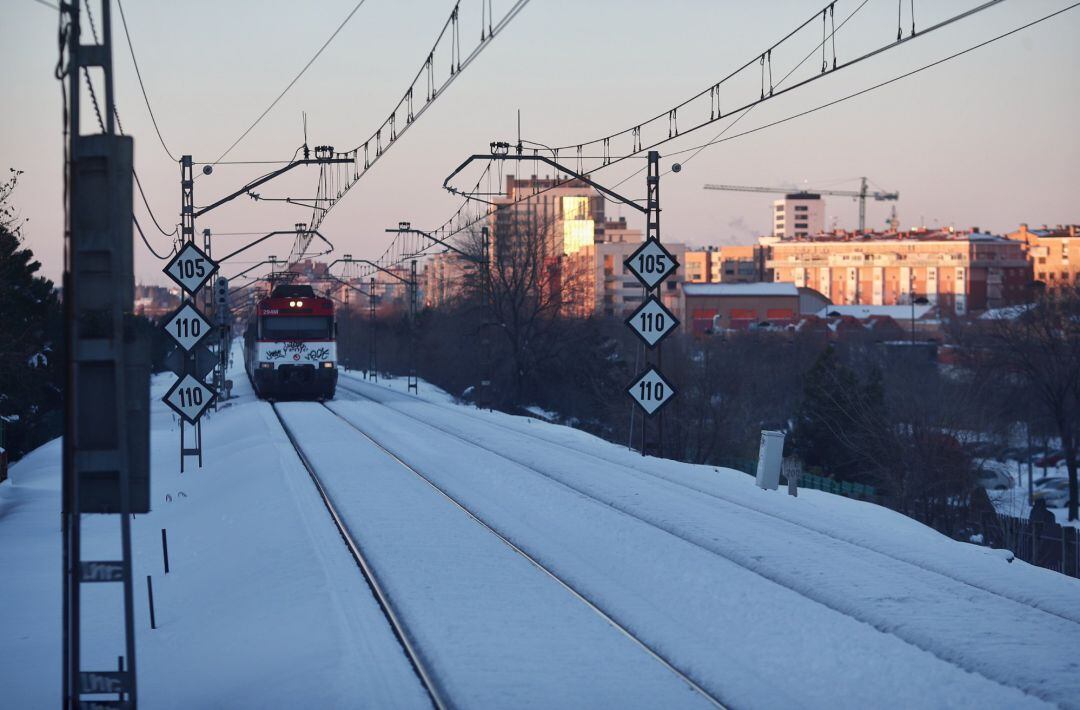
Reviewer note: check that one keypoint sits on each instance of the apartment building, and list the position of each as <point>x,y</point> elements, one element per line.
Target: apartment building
<point>726,264</point>
<point>798,214</point>
<point>959,271</point>
<point>1048,249</point>
<point>444,278</point>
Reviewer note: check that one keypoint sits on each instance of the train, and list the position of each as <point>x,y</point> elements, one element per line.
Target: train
<point>290,345</point>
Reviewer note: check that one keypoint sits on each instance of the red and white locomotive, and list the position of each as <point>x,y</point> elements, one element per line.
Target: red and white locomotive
<point>289,345</point>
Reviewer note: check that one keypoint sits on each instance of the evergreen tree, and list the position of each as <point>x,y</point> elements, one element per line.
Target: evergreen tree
<point>839,420</point>
<point>31,359</point>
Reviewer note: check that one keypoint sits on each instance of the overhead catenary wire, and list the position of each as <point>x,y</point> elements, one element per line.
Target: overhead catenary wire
<point>608,160</point>
<point>146,241</point>
<point>745,112</point>
<point>142,86</point>
<point>138,184</point>
<point>101,124</point>
<point>405,113</point>
<point>879,85</point>
<point>291,83</point>
<point>719,139</point>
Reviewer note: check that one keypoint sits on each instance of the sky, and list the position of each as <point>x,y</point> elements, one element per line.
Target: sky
<point>987,140</point>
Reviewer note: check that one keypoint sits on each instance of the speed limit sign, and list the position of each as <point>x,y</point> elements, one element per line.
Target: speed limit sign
<point>189,398</point>
<point>651,263</point>
<point>187,326</point>
<point>651,390</point>
<point>190,268</point>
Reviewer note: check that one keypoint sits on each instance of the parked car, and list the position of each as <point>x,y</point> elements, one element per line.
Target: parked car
<point>1050,459</point>
<point>993,478</point>
<point>1055,493</point>
<point>1044,480</point>
<point>1016,453</point>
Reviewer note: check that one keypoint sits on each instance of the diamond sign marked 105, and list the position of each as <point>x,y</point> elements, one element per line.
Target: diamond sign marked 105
<point>651,391</point>
<point>189,398</point>
<point>187,326</point>
<point>190,268</point>
<point>652,322</point>
<point>651,263</point>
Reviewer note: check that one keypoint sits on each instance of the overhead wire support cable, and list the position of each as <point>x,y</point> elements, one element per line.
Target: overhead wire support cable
<point>138,183</point>
<point>142,86</point>
<point>101,124</point>
<point>881,84</point>
<point>608,161</point>
<point>291,83</point>
<point>389,132</point>
<point>765,62</point>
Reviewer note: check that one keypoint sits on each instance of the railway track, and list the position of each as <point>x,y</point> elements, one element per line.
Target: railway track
<point>523,461</point>
<point>1073,618</point>
<point>401,633</point>
<point>400,629</point>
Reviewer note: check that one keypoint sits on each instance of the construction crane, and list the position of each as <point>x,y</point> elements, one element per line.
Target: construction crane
<point>862,193</point>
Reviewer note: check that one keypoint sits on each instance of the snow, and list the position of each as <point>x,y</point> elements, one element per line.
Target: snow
<point>472,603</point>
<point>923,616</point>
<point>1014,501</point>
<point>262,607</point>
<point>900,312</point>
<point>764,600</point>
<point>1007,312</point>
<point>782,288</point>
<point>540,413</point>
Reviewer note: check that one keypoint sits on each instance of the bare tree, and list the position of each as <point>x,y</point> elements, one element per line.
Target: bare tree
<point>529,285</point>
<point>1040,346</point>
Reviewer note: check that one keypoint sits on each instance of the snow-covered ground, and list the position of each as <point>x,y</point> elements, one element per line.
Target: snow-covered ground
<point>1014,500</point>
<point>762,599</point>
<point>262,606</point>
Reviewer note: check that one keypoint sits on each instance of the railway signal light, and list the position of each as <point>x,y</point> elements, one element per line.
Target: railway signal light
<point>221,292</point>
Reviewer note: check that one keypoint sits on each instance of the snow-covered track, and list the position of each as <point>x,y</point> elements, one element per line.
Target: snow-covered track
<point>1067,612</point>
<point>400,632</point>
<point>591,604</point>
<point>885,614</point>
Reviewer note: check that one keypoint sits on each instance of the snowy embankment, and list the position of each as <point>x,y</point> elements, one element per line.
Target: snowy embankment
<point>262,606</point>
<point>820,560</point>
<point>761,599</point>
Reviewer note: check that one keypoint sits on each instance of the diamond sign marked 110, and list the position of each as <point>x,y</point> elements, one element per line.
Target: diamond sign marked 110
<point>652,322</point>
<point>187,326</point>
<point>190,268</point>
<point>651,391</point>
<point>651,263</point>
<point>189,398</point>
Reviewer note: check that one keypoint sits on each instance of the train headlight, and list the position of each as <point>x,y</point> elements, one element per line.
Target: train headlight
<point>328,364</point>
<point>266,366</point>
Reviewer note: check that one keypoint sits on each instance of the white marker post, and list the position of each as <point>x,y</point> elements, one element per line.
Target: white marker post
<point>770,456</point>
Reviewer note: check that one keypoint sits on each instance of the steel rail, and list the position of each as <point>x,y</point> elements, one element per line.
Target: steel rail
<point>539,565</point>
<point>731,501</point>
<point>959,663</point>
<point>396,625</point>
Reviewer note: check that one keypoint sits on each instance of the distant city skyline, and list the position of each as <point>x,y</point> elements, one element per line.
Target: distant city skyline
<point>986,140</point>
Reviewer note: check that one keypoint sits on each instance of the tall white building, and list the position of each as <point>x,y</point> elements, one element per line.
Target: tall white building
<point>798,214</point>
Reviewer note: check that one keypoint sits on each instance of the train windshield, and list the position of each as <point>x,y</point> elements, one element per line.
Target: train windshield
<point>296,328</point>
